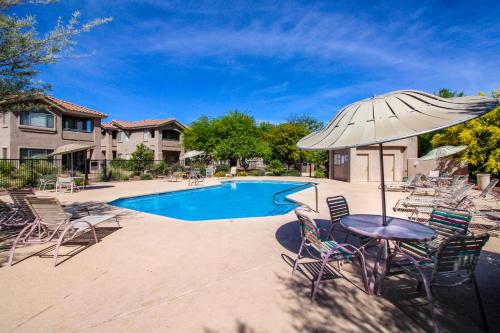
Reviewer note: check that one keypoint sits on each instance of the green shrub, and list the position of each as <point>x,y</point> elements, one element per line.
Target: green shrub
<point>292,173</point>
<point>176,168</point>
<point>141,159</point>
<point>6,168</point>
<point>242,174</point>
<point>118,163</point>
<point>220,174</point>
<point>258,173</point>
<point>125,177</point>
<point>222,168</point>
<point>275,167</point>
<point>161,168</point>
<point>80,182</point>
<point>146,176</point>
<point>319,173</point>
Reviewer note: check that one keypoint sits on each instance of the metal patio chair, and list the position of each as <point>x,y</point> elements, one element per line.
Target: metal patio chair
<point>328,250</point>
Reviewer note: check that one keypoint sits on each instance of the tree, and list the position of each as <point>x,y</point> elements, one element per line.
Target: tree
<point>282,140</point>
<point>312,124</point>
<point>424,140</point>
<point>142,159</point>
<point>482,136</point>
<point>23,51</point>
<point>234,136</point>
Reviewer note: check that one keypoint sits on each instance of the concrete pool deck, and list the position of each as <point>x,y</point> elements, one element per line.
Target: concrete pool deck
<point>159,274</point>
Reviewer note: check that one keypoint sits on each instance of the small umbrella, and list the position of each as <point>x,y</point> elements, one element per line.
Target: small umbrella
<point>393,116</point>
<point>442,151</point>
<point>192,154</point>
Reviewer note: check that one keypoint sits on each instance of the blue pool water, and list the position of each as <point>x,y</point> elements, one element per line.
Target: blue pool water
<point>232,199</point>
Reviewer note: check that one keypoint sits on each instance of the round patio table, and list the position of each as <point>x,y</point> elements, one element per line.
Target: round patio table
<point>397,229</point>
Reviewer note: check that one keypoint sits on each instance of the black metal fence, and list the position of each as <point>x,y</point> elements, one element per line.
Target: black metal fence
<point>19,173</point>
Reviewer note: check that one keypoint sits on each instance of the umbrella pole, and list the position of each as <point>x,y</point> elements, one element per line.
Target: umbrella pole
<point>382,182</point>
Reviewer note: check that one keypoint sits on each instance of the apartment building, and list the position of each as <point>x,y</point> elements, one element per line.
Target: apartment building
<point>45,124</point>
<point>120,138</point>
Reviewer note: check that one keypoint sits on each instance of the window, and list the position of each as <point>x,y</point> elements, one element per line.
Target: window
<point>4,152</point>
<point>340,158</point>
<point>114,134</point>
<point>145,135</point>
<point>122,136</point>
<point>37,119</point>
<point>5,118</point>
<point>170,135</point>
<point>34,153</point>
<point>152,133</point>
<point>77,124</point>
<point>114,154</point>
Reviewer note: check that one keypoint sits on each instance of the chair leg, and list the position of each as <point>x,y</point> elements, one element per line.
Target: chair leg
<point>28,228</point>
<point>481,307</point>
<point>296,264</point>
<point>318,280</point>
<point>428,291</point>
<point>363,272</point>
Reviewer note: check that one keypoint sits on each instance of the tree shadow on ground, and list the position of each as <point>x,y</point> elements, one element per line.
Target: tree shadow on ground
<point>343,303</point>
<point>69,249</point>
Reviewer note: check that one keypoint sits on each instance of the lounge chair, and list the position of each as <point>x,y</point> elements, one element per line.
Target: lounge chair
<point>195,177</point>
<point>411,182</point>
<point>209,171</point>
<point>453,199</point>
<point>328,250</point>
<point>24,214</point>
<point>46,180</point>
<point>338,208</point>
<point>453,265</point>
<point>66,182</point>
<point>446,222</point>
<point>487,191</point>
<point>52,224</point>
<point>7,214</point>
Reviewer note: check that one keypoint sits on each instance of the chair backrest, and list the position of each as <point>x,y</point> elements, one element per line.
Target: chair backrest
<point>449,222</point>
<point>416,179</point>
<point>433,173</point>
<point>338,207</point>
<point>459,253</point>
<point>489,188</point>
<point>18,198</point>
<point>209,171</point>
<point>454,180</point>
<point>4,207</point>
<point>309,230</point>
<point>233,171</point>
<point>63,180</point>
<point>47,210</point>
<point>461,192</point>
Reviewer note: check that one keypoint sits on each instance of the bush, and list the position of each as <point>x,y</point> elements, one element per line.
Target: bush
<point>176,168</point>
<point>117,174</point>
<point>118,163</point>
<point>319,173</point>
<point>161,168</point>
<point>292,173</point>
<point>146,176</point>
<point>199,166</point>
<point>141,159</point>
<point>222,168</point>
<point>275,167</point>
<point>242,174</point>
<point>258,173</point>
<point>6,168</point>
<point>220,174</point>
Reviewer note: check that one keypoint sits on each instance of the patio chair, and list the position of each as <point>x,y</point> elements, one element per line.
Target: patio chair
<point>453,265</point>
<point>411,182</point>
<point>52,224</point>
<point>195,177</point>
<point>232,172</point>
<point>338,208</point>
<point>209,171</point>
<point>454,199</point>
<point>446,222</point>
<point>46,180</point>
<point>433,174</point>
<point>7,214</point>
<point>487,190</point>
<point>328,250</point>
<point>67,182</point>
<point>24,214</point>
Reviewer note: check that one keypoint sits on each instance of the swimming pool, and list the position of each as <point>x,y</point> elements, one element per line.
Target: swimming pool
<point>231,199</point>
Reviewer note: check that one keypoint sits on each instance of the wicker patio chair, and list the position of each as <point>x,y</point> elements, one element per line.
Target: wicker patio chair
<point>328,250</point>
<point>52,224</point>
<point>453,265</point>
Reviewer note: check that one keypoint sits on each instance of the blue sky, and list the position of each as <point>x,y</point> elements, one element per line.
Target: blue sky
<point>274,59</point>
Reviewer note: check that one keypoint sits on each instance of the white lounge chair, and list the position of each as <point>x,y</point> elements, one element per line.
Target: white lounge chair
<point>232,172</point>
<point>52,224</point>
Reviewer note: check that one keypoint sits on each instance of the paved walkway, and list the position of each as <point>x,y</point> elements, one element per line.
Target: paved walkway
<point>157,274</point>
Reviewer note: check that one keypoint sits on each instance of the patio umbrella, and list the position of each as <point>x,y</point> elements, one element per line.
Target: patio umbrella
<point>192,153</point>
<point>393,116</point>
<point>73,148</point>
<point>442,151</point>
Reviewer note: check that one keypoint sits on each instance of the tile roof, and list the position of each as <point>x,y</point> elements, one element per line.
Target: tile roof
<point>74,108</point>
<point>142,123</point>
<point>108,126</point>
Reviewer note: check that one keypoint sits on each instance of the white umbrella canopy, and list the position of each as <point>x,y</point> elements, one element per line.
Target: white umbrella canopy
<point>71,148</point>
<point>393,116</point>
<point>442,151</point>
<point>193,153</point>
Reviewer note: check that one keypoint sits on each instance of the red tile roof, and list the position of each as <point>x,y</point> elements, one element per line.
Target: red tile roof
<point>142,123</point>
<point>70,107</point>
<point>108,126</point>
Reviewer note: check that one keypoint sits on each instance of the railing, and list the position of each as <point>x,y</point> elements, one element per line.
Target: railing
<point>306,185</point>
